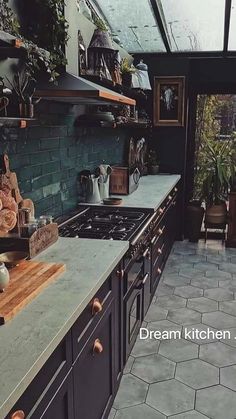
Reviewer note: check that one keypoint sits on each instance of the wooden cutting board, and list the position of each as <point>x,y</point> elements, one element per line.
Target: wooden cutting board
<point>26,281</point>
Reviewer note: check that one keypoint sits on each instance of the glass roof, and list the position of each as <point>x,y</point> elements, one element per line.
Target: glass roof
<point>188,26</point>
<point>232,31</point>
<point>194,25</point>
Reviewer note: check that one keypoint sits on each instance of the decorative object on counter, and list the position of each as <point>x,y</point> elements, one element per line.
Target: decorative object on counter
<point>194,219</point>
<point>127,70</point>
<point>13,258</point>
<point>4,93</point>
<point>89,185</point>
<point>142,75</point>
<point>169,95</point>
<point>153,163</point>
<point>112,201</point>
<point>124,180</point>
<point>104,180</point>
<point>26,281</point>
<point>4,277</point>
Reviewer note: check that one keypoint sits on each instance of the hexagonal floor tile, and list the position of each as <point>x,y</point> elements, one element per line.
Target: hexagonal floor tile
<point>218,354</point>
<point>171,301</point>
<point>164,325</point>
<point>202,304</point>
<point>206,266</point>
<point>170,397</point>
<point>155,313</point>
<point>175,280</point>
<point>188,291</point>
<point>128,365</point>
<point>228,377</point>
<point>219,320</point>
<point>139,412</point>
<point>228,284</point>
<point>220,275</point>
<point>216,402</point>
<point>144,347</point>
<point>190,272</point>
<point>197,374</point>
<point>184,316</point>
<point>230,340</point>
<point>132,391</point>
<point>153,368</point>
<point>229,308</point>
<point>164,289</point>
<point>178,350</point>
<point>219,294</point>
<point>112,414</point>
<point>189,415</point>
<point>227,267</point>
<point>205,283</point>
<point>196,335</point>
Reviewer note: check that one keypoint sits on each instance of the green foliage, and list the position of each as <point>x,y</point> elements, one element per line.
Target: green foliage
<point>125,67</point>
<point>100,24</point>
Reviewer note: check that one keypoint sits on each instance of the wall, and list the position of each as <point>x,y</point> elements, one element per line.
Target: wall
<point>48,158</point>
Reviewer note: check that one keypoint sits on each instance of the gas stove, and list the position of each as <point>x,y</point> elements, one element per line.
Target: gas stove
<point>104,223</point>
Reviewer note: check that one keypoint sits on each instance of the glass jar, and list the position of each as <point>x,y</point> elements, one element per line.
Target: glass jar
<point>4,277</point>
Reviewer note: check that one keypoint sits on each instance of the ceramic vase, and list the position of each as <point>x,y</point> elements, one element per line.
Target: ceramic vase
<point>4,277</point>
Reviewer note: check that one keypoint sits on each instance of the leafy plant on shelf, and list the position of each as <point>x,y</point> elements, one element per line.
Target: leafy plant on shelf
<point>126,68</point>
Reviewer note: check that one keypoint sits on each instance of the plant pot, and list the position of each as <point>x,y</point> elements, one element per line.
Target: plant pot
<point>127,79</point>
<point>154,170</point>
<point>195,215</point>
<point>216,214</point>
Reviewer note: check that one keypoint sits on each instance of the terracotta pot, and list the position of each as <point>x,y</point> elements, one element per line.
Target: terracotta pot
<point>216,214</point>
<point>194,217</point>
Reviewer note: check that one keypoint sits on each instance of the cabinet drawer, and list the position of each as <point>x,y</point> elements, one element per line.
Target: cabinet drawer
<point>46,382</point>
<point>91,315</point>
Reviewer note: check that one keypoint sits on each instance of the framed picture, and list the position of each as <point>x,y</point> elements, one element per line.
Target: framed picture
<point>169,101</point>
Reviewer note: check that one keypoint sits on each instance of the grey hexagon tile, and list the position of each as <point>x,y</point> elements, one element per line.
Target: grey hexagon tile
<point>230,337</point>
<point>129,365</point>
<point>175,263</point>
<point>190,272</point>
<point>206,266</point>
<point>216,402</point>
<point>197,374</point>
<point>170,397</point>
<point>196,259</point>
<point>228,267</point>
<point>175,280</point>
<point>144,347</point>
<point>218,258</point>
<point>228,307</point>
<point>188,291</point>
<point>221,275</point>
<point>218,294</point>
<point>112,414</point>
<point>156,313</point>
<point>139,412</point>
<point>205,283</point>
<point>184,316</point>
<point>178,349</point>
<point>171,301</point>
<point>233,259</point>
<point>185,251</point>
<point>229,285</point>
<point>228,377</point>
<point>202,304</point>
<point>199,333</point>
<point>218,354</point>
<point>164,289</point>
<point>153,368</point>
<point>189,415</point>
<point>219,320</point>
<point>132,391</point>
<point>164,325</point>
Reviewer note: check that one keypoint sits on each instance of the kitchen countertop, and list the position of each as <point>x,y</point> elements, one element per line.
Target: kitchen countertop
<point>27,341</point>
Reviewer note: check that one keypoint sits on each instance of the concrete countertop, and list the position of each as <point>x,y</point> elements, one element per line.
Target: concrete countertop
<point>27,341</point>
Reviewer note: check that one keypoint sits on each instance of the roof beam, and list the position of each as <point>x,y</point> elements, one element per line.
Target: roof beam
<point>160,25</point>
<point>228,4</point>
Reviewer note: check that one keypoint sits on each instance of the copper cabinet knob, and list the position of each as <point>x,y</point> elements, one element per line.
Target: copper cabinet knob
<point>96,306</point>
<point>159,270</point>
<point>120,273</point>
<point>176,189</point>
<point>159,251</point>
<point>19,414</point>
<point>169,198</point>
<point>97,347</point>
<point>160,211</point>
<point>160,231</point>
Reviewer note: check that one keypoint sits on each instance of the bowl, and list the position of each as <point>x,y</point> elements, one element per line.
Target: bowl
<point>112,201</point>
<point>13,258</point>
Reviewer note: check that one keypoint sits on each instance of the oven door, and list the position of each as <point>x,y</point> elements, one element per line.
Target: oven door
<point>133,317</point>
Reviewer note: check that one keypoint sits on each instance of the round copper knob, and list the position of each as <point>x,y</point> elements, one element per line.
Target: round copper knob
<point>159,271</point>
<point>19,414</point>
<point>97,347</point>
<point>176,189</point>
<point>120,273</point>
<point>160,211</point>
<point>96,306</point>
<point>159,251</point>
<point>160,231</point>
<point>169,197</point>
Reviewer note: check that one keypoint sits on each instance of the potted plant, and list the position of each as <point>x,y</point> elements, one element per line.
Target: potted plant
<point>126,72</point>
<point>153,163</point>
<point>194,219</point>
<point>219,168</point>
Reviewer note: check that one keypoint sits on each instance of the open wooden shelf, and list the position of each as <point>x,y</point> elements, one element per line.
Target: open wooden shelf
<point>11,122</point>
<point>11,46</point>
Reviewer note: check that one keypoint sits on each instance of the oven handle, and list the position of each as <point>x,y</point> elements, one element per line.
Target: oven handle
<point>143,229</point>
<point>143,282</point>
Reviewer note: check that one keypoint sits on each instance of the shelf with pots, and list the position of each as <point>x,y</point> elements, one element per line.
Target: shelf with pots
<point>11,122</point>
<point>10,46</point>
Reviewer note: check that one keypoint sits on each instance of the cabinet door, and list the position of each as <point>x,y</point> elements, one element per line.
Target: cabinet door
<point>133,305</point>
<point>61,406</point>
<point>93,371</point>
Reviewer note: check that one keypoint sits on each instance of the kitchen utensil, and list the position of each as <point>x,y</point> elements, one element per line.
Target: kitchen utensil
<point>97,172</point>
<point>104,180</point>
<point>90,187</point>
<point>112,201</point>
<point>13,258</point>
<point>26,281</point>
<point>4,277</point>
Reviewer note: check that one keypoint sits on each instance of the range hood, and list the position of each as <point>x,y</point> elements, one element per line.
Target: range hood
<point>76,90</point>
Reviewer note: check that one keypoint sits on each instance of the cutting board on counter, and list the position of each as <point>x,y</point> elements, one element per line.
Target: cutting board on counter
<point>27,280</point>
